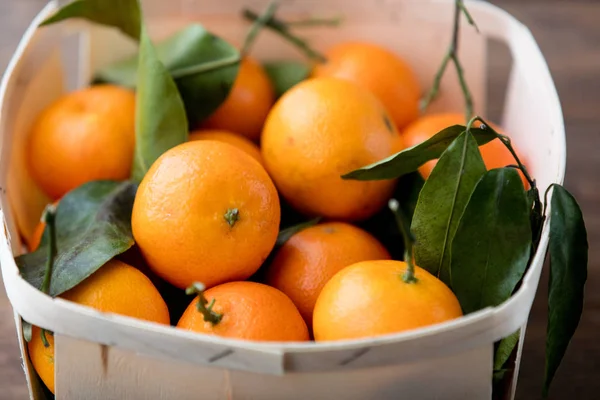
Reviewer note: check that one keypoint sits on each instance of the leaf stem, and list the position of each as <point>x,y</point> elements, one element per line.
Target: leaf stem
<point>507,142</point>
<point>202,304</point>
<point>409,240</point>
<point>282,28</point>
<point>452,55</point>
<point>205,67</point>
<point>546,196</point>
<point>45,341</point>
<point>258,25</point>
<point>49,218</point>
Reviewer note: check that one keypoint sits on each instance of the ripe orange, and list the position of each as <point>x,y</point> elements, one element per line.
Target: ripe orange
<point>378,70</point>
<point>370,298</point>
<point>83,136</point>
<point>115,288</point>
<point>205,212</point>
<point>42,357</point>
<point>305,263</point>
<point>249,101</point>
<point>494,153</point>
<point>36,237</point>
<point>319,130</point>
<point>250,311</point>
<point>233,139</point>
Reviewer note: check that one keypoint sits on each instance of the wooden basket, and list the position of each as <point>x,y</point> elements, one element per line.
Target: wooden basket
<point>105,356</point>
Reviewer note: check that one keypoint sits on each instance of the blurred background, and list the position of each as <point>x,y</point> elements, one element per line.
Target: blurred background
<point>568,33</point>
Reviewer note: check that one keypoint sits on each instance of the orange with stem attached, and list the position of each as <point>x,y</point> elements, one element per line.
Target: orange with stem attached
<point>373,298</point>
<point>244,310</point>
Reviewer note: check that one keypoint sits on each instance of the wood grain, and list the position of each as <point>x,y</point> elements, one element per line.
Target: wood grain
<point>569,35</point>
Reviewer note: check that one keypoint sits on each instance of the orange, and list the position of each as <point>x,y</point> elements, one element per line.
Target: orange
<point>250,311</point>
<point>378,70</point>
<point>233,139</point>
<point>494,153</point>
<point>115,288</point>
<point>370,298</point>
<point>206,212</point>
<point>248,103</point>
<point>83,136</point>
<point>36,237</point>
<point>304,264</point>
<point>42,357</point>
<point>319,130</point>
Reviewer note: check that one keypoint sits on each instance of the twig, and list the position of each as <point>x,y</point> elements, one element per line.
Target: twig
<point>205,67</point>
<point>310,22</point>
<point>409,240</point>
<point>282,28</point>
<point>470,19</point>
<point>258,25</point>
<point>452,56</point>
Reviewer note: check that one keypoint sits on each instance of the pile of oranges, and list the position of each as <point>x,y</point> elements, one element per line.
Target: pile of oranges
<point>208,212</point>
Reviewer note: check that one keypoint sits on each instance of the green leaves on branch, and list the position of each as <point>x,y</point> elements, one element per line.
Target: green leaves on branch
<point>204,67</point>
<point>160,121</point>
<point>491,246</point>
<point>124,15</point>
<point>411,159</point>
<point>92,226</point>
<point>568,247</point>
<point>442,202</point>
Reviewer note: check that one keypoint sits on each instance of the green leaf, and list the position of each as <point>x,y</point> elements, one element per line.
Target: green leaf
<point>441,203</point>
<point>568,248</point>
<point>93,225</point>
<point>121,14</point>
<point>491,246</point>
<point>505,349</point>
<point>285,74</point>
<point>411,159</point>
<point>204,67</point>
<point>287,233</point>
<point>160,121</point>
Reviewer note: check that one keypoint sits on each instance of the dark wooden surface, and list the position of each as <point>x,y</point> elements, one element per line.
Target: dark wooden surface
<point>568,31</point>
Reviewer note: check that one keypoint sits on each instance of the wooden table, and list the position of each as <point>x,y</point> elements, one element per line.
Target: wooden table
<point>569,35</point>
